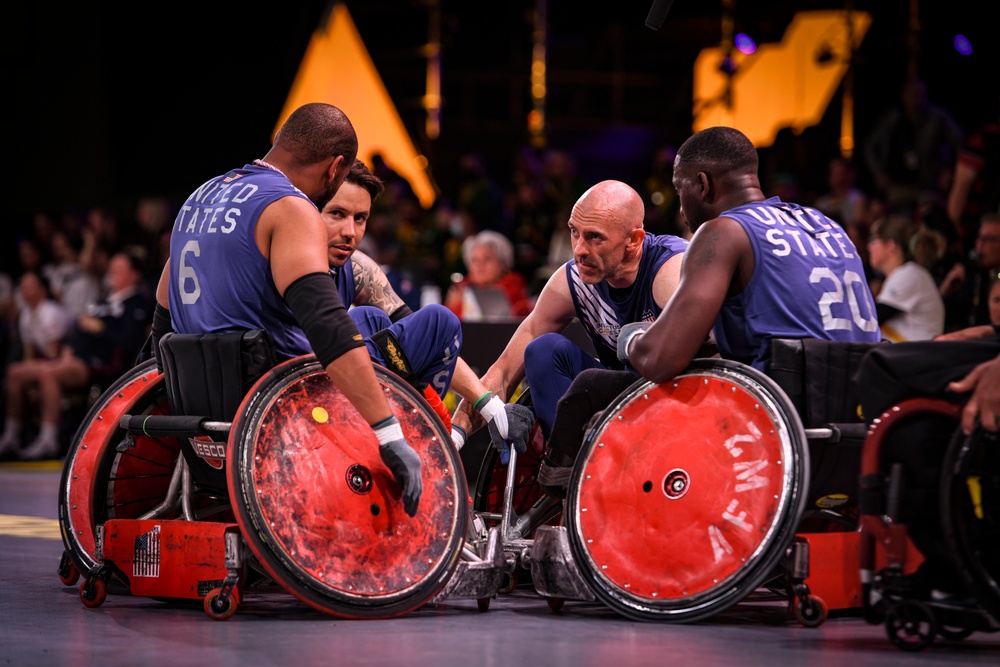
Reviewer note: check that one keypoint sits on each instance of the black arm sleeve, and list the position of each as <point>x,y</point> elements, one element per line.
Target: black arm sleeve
<point>400,313</point>
<point>316,305</point>
<point>886,312</point>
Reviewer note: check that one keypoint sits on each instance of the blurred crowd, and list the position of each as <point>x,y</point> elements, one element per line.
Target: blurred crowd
<point>920,198</point>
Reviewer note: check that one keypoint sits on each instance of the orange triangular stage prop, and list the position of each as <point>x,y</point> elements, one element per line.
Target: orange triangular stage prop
<point>338,70</point>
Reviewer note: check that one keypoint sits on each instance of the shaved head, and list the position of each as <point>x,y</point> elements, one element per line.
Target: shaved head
<point>611,203</point>
<point>607,234</point>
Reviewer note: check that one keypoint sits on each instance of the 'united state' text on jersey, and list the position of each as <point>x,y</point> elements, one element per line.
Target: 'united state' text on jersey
<point>219,281</point>
<point>808,282</point>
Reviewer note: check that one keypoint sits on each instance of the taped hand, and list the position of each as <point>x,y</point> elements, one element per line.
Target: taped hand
<point>508,422</point>
<point>626,335</point>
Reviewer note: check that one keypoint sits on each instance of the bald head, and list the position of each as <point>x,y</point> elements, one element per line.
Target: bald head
<point>607,235</point>
<point>612,204</point>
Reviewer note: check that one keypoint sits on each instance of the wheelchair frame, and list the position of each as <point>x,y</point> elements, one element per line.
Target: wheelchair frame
<point>470,565</point>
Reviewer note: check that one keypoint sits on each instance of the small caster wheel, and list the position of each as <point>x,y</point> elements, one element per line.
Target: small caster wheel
<point>216,608</point>
<point>509,583</point>
<point>483,604</point>
<point>555,604</point>
<point>68,574</point>
<point>93,592</point>
<point>811,611</point>
<point>911,625</point>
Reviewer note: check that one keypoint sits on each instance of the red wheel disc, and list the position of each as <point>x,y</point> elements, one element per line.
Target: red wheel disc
<point>676,499</point>
<point>331,508</point>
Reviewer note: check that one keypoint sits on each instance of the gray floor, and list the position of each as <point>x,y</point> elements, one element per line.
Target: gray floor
<point>42,622</point>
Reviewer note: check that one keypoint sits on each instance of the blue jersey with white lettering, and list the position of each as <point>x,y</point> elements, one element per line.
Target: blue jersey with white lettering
<point>603,309</point>
<point>219,281</point>
<point>808,282</point>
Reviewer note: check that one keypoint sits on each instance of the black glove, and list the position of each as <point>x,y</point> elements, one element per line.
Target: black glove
<point>404,462</point>
<point>514,426</point>
<point>625,336</point>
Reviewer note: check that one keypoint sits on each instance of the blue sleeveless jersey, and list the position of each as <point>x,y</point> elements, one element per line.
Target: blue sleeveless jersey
<point>219,281</point>
<point>808,282</point>
<point>603,310</point>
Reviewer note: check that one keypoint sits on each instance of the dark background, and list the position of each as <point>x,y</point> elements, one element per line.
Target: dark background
<point>110,101</point>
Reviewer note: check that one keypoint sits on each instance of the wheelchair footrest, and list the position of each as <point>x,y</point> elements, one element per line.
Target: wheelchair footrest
<point>554,573</point>
<point>477,579</point>
<point>169,558</point>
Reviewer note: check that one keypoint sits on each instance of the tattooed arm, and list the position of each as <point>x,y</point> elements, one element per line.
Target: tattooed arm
<point>718,262</point>
<point>372,286</point>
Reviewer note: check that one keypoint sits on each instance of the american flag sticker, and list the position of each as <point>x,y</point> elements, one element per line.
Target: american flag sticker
<point>146,559</point>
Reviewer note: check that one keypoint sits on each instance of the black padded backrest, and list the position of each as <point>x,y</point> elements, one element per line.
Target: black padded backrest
<point>208,374</point>
<point>818,377</point>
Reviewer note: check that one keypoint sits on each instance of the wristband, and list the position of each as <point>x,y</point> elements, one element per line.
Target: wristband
<point>480,399</point>
<point>388,430</point>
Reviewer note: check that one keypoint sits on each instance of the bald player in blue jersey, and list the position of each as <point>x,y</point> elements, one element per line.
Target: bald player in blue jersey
<point>756,268</point>
<point>248,250</point>
<point>618,274</point>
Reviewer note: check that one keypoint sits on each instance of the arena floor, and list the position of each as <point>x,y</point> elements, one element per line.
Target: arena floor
<point>43,622</point>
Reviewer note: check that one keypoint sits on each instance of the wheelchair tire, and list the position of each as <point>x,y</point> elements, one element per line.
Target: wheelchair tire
<point>686,494</point>
<point>320,510</point>
<point>970,512</point>
<point>98,481</point>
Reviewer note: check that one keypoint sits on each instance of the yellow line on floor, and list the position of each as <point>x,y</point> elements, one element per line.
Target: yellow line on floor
<point>29,526</point>
<point>31,465</point>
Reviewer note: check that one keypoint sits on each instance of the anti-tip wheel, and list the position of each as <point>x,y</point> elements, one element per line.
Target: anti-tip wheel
<point>216,608</point>
<point>811,611</point>
<point>93,592</point>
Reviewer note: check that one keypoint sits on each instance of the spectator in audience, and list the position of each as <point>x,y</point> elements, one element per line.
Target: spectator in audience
<point>975,188</point>
<point>489,258</point>
<point>913,148</point>
<point>43,326</point>
<point>533,216</point>
<point>104,343</point>
<point>480,196</point>
<point>73,286</point>
<point>995,301</point>
<point>966,286</point>
<point>908,303</point>
<point>844,201</point>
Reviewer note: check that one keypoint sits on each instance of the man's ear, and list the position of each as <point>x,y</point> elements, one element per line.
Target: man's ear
<point>706,186</point>
<point>335,165</point>
<point>636,237</point>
